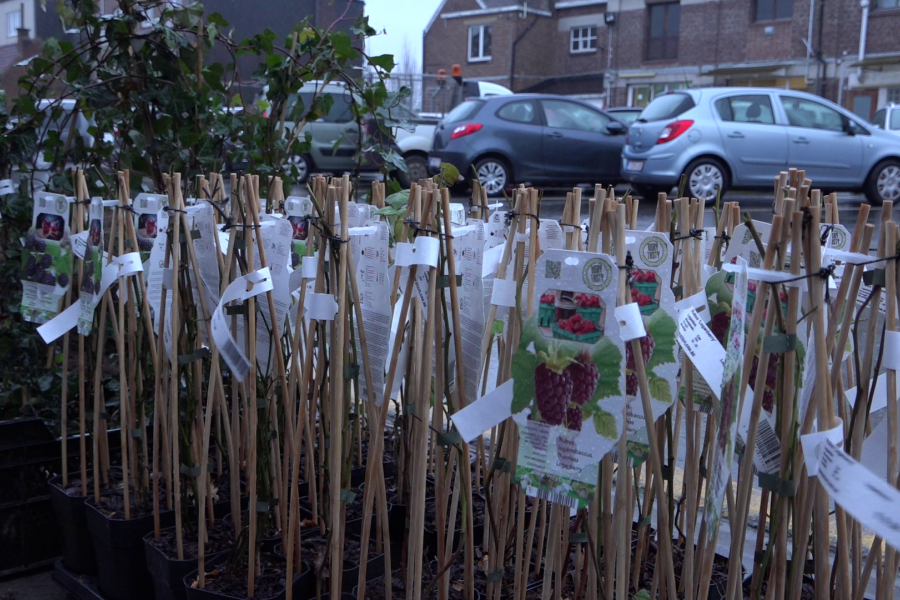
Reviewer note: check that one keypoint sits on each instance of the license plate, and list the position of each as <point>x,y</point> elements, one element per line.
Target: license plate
<point>434,162</point>
<point>634,165</point>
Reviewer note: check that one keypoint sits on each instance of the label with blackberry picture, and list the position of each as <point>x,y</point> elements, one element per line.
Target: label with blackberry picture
<point>92,270</point>
<point>568,378</point>
<point>298,210</point>
<point>652,256</point>
<point>47,260</point>
<point>729,403</point>
<point>146,222</point>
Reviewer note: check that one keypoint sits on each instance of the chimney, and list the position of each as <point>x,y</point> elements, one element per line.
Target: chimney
<point>23,39</point>
<point>22,32</point>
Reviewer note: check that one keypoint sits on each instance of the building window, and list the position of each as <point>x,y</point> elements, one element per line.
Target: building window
<point>893,95</point>
<point>13,23</point>
<point>662,42</point>
<point>641,95</point>
<point>480,43</point>
<point>583,39</point>
<point>770,10</point>
<point>887,3</point>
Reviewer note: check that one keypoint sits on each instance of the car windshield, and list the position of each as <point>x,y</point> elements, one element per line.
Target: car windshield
<point>463,111</point>
<point>667,106</point>
<point>626,116</point>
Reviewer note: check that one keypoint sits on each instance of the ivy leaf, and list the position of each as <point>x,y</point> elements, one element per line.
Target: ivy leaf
<point>660,389</point>
<point>398,200</point>
<point>605,424</point>
<point>385,61</point>
<point>448,176</point>
<point>662,327</point>
<point>608,359</point>
<point>523,367</point>
<point>532,333</point>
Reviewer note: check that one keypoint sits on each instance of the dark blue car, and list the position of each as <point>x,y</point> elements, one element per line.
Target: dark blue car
<point>534,138</point>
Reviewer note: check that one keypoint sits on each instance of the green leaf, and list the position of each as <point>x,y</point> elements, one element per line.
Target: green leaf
<point>532,333</point>
<point>497,327</point>
<point>605,424</point>
<point>385,61</point>
<point>608,359</point>
<point>523,367</point>
<point>448,176</point>
<point>641,595</point>
<point>660,389</point>
<point>662,327</point>
<point>398,200</point>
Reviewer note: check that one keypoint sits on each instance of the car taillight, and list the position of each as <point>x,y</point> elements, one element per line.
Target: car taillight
<point>673,130</point>
<point>464,130</point>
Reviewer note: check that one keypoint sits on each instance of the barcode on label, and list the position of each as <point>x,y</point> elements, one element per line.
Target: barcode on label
<point>614,457</point>
<point>768,448</point>
<point>540,494</point>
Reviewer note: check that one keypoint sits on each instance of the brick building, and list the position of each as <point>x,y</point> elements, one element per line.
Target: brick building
<point>27,24</point>
<point>632,50</point>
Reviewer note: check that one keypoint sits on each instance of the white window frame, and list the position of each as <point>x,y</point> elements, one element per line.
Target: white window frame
<point>583,39</point>
<point>893,91</point>
<point>12,32</point>
<point>480,29</point>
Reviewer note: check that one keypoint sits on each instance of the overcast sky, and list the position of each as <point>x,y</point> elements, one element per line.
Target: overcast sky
<point>400,24</point>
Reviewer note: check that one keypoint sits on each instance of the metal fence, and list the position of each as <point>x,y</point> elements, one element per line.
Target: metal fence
<point>429,92</point>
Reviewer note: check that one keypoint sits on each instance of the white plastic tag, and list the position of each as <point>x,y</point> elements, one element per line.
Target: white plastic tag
<point>631,326</point>
<point>423,252</point>
<point>812,444</point>
<point>698,302</point>
<point>504,293</point>
<point>310,267</point>
<point>241,289</point>
<point>491,409</point>
<point>765,275</point>
<point>491,261</point>
<point>891,351</point>
<point>6,187</point>
<point>702,348</point>
<point>121,266</point>
<point>862,494</point>
<point>321,307</point>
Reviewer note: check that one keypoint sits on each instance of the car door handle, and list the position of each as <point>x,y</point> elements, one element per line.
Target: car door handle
<point>736,135</point>
<point>801,140</point>
<point>555,134</point>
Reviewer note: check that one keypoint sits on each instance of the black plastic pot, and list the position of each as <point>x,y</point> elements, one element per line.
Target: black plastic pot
<point>168,574</point>
<point>268,543</point>
<point>121,561</point>
<point>77,544</point>
<point>301,584</point>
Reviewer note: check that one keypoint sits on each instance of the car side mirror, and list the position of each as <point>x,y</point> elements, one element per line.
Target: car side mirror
<point>850,127</point>
<point>615,128</point>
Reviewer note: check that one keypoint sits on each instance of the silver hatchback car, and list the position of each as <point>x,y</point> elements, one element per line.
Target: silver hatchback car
<point>725,138</point>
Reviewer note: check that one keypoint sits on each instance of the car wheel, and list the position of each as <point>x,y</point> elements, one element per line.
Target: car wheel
<point>416,168</point>
<point>884,182</point>
<point>493,174</point>
<point>303,163</point>
<point>704,178</point>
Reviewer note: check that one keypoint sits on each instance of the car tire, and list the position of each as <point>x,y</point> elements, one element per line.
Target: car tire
<point>494,175</point>
<point>649,193</point>
<point>304,164</point>
<point>702,178</point>
<point>416,169</point>
<point>884,182</point>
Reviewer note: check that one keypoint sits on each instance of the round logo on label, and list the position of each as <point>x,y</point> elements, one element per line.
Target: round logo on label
<point>62,207</point>
<point>597,274</point>
<point>653,251</point>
